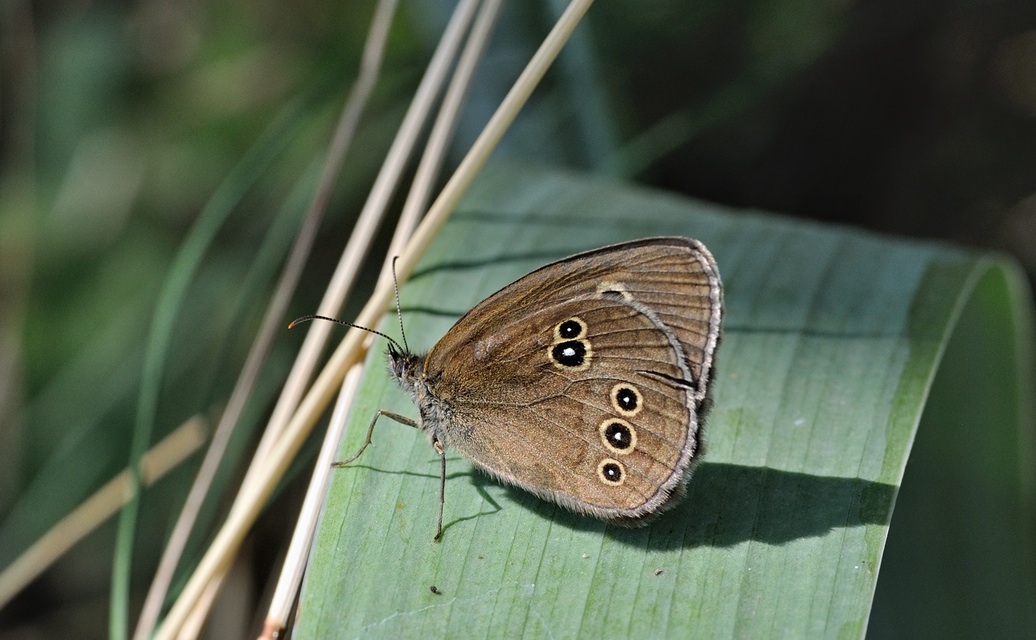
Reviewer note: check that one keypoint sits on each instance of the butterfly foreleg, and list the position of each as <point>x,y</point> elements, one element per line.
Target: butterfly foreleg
<point>370,431</point>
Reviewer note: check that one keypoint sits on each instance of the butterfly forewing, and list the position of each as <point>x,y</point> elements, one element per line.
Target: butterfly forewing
<point>675,278</point>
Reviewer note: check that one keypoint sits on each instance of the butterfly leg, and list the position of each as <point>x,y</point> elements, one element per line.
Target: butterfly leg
<point>442,484</point>
<point>370,431</point>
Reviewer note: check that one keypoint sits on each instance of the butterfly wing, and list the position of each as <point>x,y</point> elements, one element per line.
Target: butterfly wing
<point>585,381</point>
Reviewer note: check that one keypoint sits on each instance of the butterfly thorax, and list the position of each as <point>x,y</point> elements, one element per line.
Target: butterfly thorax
<point>408,370</point>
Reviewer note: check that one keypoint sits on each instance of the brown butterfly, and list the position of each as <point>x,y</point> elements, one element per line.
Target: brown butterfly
<point>585,382</point>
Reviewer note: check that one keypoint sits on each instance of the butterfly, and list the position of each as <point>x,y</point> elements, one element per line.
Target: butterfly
<point>585,382</point>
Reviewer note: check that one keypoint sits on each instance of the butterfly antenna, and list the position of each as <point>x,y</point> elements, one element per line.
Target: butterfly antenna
<point>298,321</point>
<point>399,311</point>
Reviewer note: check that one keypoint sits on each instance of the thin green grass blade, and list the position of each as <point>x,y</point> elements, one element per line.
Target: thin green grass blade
<point>157,348</point>
<point>832,340</point>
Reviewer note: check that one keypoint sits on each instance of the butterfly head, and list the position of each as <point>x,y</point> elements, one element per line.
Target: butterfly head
<point>408,370</point>
<point>405,366</point>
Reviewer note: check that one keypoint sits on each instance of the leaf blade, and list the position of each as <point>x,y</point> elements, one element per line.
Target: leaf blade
<point>831,340</point>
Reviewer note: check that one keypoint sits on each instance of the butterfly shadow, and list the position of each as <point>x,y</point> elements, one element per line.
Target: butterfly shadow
<point>728,504</point>
<point>480,487</point>
<point>725,505</point>
<point>478,480</point>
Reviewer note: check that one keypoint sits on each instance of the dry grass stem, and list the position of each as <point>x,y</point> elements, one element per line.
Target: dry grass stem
<point>431,161</point>
<point>260,484</point>
<point>273,321</point>
<point>163,457</point>
<point>246,506</point>
<point>298,552</point>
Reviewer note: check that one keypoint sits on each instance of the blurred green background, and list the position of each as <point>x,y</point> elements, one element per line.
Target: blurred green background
<point>120,120</point>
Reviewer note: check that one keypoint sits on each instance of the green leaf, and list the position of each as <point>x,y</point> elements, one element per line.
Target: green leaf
<point>832,339</point>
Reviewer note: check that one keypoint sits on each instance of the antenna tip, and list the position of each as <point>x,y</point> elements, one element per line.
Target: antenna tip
<point>298,321</point>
